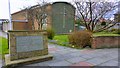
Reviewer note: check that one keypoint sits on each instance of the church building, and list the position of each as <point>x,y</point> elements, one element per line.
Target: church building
<point>60,16</point>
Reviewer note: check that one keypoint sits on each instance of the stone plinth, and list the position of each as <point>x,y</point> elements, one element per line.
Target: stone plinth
<point>26,45</point>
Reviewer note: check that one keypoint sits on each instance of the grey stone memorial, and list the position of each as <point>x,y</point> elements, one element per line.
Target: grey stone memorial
<point>35,43</point>
<point>27,46</point>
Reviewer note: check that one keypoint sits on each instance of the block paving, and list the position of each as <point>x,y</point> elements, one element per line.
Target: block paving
<point>64,56</point>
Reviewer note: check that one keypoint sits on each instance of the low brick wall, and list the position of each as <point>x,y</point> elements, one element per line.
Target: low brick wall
<point>106,42</point>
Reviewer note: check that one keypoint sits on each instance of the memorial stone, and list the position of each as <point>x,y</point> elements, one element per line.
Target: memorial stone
<point>27,46</point>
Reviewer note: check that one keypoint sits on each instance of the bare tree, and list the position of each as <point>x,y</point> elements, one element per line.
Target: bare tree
<point>91,12</point>
<point>37,14</point>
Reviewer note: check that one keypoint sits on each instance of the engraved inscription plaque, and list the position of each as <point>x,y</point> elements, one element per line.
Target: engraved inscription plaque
<point>29,43</point>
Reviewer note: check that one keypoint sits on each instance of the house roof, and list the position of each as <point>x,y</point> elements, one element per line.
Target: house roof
<point>4,20</point>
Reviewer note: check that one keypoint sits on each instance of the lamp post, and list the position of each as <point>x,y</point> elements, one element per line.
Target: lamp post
<point>10,21</point>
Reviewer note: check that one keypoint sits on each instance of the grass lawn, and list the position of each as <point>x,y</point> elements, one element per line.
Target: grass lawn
<point>105,34</point>
<point>3,46</point>
<point>61,39</point>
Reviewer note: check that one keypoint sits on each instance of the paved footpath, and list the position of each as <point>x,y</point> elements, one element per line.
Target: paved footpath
<point>64,56</point>
<point>0,63</point>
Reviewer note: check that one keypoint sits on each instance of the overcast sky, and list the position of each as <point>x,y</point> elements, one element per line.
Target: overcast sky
<point>17,5</point>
